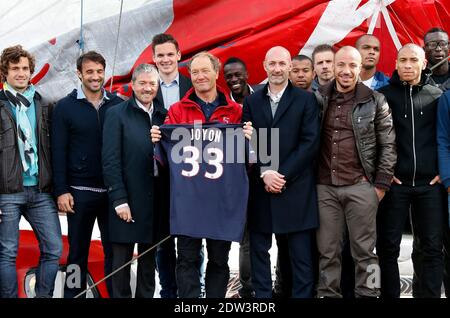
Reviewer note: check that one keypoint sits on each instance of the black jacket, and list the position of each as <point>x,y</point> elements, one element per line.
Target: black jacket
<point>127,157</point>
<point>11,171</point>
<point>373,129</point>
<point>414,113</point>
<point>77,142</point>
<point>184,85</point>
<point>296,123</point>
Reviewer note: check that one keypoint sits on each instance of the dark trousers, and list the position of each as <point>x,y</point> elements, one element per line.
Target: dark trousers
<point>427,215</point>
<point>447,259</point>
<point>187,270</point>
<point>166,261</point>
<point>88,206</point>
<point>245,269</point>
<point>283,272</point>
<point>300,261</point>
<point>145,280</point>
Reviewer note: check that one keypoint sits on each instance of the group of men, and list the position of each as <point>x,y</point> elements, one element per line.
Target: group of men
<point>357,154</point>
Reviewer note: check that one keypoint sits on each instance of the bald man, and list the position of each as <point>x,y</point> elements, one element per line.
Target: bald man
<point>282,198</point>
<point>368,46</point>
<point>355,167</point>
<point>415,188</point>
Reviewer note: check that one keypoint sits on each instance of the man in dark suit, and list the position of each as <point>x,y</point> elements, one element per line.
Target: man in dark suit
<point>282,189</point>
<point>172,87</point>
<point>166,54</point>
<point>136,195</point>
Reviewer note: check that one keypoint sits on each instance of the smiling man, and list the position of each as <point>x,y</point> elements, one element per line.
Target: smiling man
<point>25,175</point>
<point>205,102</point>
<point>137,197</point>
<point>77,172</point>
<point>236,76</point>
<point>436,49</point>
<point>355,167</point>
<point>166,55</point>
<point>369,47</point>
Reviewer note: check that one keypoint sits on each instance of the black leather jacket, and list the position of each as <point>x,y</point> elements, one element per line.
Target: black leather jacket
<point>373,129</point>
<point>11,180</point>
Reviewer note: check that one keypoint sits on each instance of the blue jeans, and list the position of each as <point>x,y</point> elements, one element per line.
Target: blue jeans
<point>40,211</point>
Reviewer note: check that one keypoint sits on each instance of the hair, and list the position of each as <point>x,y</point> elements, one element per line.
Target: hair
<point>434,30</point>
<point>357,43</point>
<point>322,48</point>
<point>302,57</point>
<point>164,38</point>
<point>144,68</point>
<point>233,59</point>
<point>214,60</point>
<point>90,56</point>
<point>13,54</point>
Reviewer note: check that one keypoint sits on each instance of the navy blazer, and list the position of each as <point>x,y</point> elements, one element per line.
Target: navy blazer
<point>297,123</point>
<point>127,157</point>
<point>184,85</point>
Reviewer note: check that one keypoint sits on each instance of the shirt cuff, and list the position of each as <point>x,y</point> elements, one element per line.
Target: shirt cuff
<point>124,205</point>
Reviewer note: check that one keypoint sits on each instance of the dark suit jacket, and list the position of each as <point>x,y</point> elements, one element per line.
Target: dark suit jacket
<point>297,121</point>
<point>127,157</point>
<point>185,84</point>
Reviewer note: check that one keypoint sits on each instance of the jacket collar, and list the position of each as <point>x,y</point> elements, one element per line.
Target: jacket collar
<point>157,107</point>
<point>189,99</point>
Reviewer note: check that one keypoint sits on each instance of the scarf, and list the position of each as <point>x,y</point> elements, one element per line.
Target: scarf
<point>27,146</point>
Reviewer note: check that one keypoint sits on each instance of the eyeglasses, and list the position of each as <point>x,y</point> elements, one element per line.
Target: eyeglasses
<point>433,44</point>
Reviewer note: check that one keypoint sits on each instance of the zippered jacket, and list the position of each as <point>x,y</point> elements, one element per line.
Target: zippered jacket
<point>186,111</point>
<point>414,113</point>
<point>11,171</point>
<point>443,137</point>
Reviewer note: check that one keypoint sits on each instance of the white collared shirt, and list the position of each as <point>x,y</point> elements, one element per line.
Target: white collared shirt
<point>149,111</point>
<point>250,89</point>
<point>275,97</point>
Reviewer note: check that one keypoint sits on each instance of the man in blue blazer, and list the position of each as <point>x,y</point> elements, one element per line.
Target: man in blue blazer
<point>282,188</point>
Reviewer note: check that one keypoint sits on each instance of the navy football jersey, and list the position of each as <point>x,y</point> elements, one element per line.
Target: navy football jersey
<point>208,179</point>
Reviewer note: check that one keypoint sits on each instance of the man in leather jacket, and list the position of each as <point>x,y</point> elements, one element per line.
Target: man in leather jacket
<point>354,169</point>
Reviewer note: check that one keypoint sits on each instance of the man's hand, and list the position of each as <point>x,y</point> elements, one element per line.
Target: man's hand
<point>436,179</point>
<point>395,180</point>
<point>448,190</point>
<point>155,133</point>
<point>380,193</point>
<point>124,213</point>
<point>66,203</point>
<point>274,181</point>
<point>248,130</point>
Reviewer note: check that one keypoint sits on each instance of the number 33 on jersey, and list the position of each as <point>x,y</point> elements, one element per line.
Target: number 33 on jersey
<point>208,179</point>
